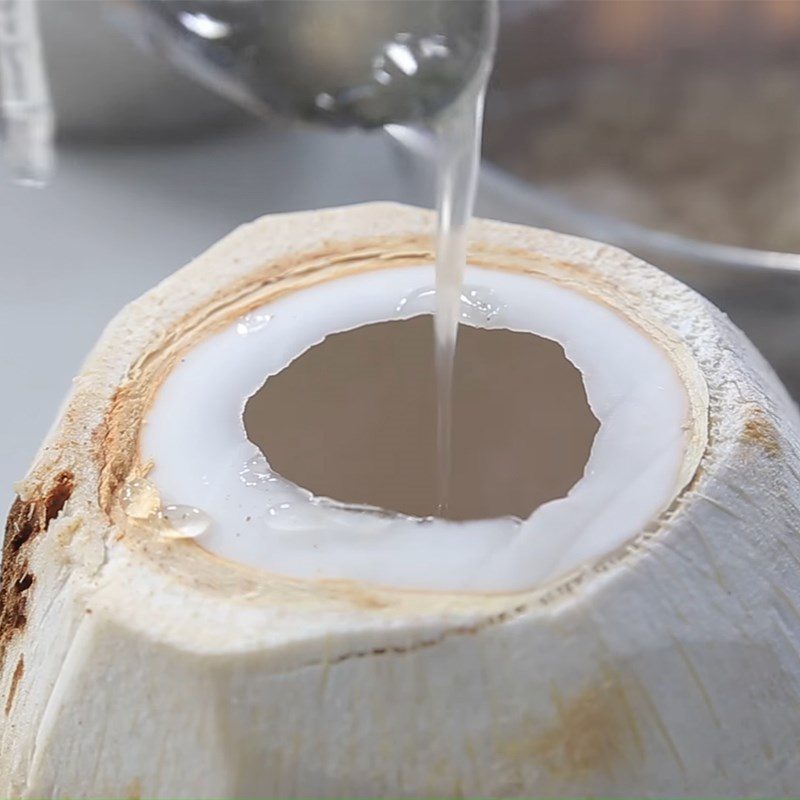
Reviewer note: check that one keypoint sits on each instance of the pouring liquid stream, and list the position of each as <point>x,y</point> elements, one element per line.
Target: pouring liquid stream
<point>459,146</point>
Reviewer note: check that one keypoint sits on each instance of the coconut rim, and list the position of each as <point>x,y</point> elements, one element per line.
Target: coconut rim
<point>119,458</point>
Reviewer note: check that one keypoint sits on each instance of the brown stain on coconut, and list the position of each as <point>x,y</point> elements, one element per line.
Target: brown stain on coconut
<point>26,520</point>
<point>19,670</point>
<point>760,430</point>
<point>591,734</point>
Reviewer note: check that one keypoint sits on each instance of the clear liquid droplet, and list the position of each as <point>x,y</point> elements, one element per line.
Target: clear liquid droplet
<point>252,323</point>
<point>183,522</point>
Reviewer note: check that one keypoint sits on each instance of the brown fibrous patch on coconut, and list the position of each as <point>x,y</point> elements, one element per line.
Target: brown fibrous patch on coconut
<point>26,520</point>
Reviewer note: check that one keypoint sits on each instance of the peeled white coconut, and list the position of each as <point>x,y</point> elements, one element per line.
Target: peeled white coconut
<point>638,635</point>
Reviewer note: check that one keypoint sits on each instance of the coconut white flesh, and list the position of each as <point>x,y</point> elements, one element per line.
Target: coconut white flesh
<point>197,442</point>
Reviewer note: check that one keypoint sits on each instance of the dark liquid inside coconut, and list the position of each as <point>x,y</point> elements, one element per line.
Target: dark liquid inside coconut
<point>354,419</point>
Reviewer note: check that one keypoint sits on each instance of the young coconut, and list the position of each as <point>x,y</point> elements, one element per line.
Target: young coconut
<point>636,634</point>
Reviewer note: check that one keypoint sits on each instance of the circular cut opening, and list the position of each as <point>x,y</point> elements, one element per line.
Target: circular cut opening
<point>353,419</point>
<point>367,410</point>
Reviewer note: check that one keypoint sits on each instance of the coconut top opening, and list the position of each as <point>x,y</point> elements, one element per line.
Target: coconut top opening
<point>572,510</point>
<point>354,419</point>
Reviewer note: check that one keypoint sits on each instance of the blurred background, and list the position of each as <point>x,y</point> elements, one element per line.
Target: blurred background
<point>669,127</point>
